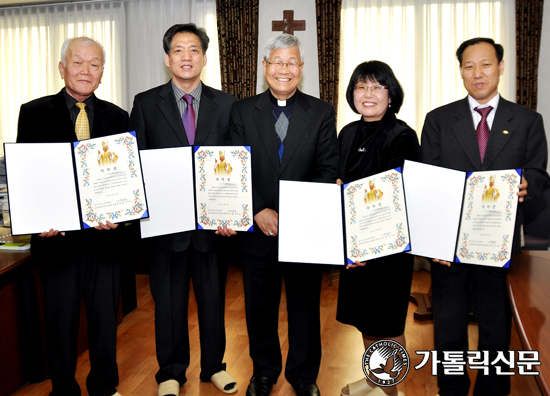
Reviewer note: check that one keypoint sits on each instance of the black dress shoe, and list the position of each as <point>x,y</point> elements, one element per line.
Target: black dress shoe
<point>307,390</point>
<point>260,386</point>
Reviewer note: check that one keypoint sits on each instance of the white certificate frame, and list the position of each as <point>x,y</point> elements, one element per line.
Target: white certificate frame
<point>308,232</point>
<point>168,175</point>
<point>41,187</point>
<point>434,201</point>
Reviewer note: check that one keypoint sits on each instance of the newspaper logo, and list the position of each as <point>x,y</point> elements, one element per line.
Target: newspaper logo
<point>386,363</point>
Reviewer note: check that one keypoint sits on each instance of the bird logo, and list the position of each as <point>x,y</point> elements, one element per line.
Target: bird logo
<point>386,362</point>
<point>393,365</point>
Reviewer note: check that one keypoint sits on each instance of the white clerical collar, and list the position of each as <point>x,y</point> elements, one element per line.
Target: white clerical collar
<point>281,103</point>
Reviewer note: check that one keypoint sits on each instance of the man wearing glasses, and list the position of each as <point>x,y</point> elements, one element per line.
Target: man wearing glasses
<point>293,137</point>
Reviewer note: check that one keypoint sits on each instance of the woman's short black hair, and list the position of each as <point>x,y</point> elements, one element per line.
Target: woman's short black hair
<point>376,71</point>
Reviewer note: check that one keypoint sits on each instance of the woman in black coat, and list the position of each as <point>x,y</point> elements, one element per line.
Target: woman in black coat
<point>376,143</point>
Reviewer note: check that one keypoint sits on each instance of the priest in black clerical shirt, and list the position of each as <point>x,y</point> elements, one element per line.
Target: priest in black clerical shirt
<point>293,137</point>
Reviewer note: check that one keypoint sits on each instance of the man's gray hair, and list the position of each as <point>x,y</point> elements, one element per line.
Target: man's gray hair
<point>85,41</point>
<point>284,40</point>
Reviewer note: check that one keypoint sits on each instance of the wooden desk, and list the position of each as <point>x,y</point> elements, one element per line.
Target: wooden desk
<point>529,290</point>
<point>9,260</point>
<point>22,352</point>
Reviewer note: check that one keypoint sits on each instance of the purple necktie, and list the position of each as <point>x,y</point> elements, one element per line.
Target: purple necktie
<point>189,119</point>
<point>483,130</point>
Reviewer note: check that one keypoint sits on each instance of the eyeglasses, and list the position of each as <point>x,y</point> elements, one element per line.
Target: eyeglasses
<point>374,89</point>
<point>278,64</point>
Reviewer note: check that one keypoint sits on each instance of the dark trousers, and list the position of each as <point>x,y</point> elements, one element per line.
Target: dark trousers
<point>262,285</point>
<point>170,282</point>
<point>456,290</point>
<point>66,282</point>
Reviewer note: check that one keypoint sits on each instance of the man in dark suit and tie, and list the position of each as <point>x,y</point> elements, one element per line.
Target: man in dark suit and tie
<point>85,263</point>
<point>293,137</point>
<point>481,132</point>
<point>185,112</point>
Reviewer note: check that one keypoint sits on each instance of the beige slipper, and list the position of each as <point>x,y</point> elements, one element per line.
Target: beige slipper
<point>224,382</point>
<point>379,392</point>
<point>359,388</point>
<point>170,387</point>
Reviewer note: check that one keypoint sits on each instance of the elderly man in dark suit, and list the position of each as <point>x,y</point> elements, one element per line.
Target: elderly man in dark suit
<point>84,263</point>
<point>481,132</point>
<point>293,137</point>
<point>185,112</point>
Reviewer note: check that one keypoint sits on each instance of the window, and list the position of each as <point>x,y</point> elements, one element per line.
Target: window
<point>30,44</point>
<point>418,39</point>
<point>130,31</point>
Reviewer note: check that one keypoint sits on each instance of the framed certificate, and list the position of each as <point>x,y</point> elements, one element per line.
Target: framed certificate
<point>223,187</point>
<point>72,186</point>
<point>488,218</point>
<point>109,178</point>
<point>376,217</point>
<point>466,217</point>
<point>329,224</point>
<point>424,210</point>
<point>197,188</point>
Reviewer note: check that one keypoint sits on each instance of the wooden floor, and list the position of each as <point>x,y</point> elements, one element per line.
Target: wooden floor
<point>342,348</point>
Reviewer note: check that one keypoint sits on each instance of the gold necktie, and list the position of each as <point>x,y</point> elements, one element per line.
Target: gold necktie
<point>82,127</point>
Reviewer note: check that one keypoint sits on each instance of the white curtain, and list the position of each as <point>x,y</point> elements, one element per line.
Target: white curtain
<point>543,99</point>
<point>30,48</point>
<point>147,21</point>
<point>418,39</point>
<point>131,32</point>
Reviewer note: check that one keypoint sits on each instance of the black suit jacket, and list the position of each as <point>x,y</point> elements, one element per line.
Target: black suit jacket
<point>47,120</point>
<point>157,121</point>
<point>311,153</point>
<point>517,140</point>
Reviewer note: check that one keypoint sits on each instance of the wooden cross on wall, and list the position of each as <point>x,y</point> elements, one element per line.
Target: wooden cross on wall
<point>288,24</point>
